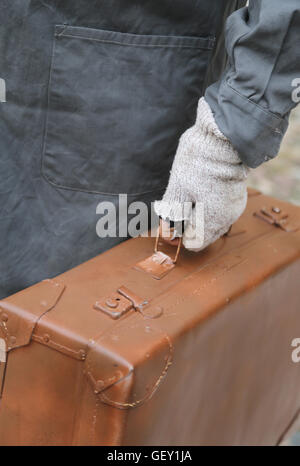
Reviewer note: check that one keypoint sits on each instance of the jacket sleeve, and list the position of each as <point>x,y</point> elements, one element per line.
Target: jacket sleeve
<point>261,84</point>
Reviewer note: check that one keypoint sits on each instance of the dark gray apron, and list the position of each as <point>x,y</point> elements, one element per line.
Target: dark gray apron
<point>97,94</point>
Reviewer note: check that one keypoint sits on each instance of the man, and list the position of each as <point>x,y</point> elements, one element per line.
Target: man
<point>98,94</point>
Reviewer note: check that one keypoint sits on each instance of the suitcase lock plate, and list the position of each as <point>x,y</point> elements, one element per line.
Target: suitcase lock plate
<point>275,216</point>
<point>159,264</point>
<point>120,302</point>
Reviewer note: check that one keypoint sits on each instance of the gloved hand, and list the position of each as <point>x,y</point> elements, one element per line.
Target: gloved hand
<point>207,172</point>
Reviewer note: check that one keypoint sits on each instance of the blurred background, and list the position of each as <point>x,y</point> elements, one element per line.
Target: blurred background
<point>281,177</point>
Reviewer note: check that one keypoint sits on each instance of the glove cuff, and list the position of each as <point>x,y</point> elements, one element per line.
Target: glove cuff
<point>173,210</point>
<point>206,122</point>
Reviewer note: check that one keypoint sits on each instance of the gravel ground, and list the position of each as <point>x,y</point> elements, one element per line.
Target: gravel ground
<point>281,177</point>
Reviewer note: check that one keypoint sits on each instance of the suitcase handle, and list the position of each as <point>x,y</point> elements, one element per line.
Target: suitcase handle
<point>158,236</point>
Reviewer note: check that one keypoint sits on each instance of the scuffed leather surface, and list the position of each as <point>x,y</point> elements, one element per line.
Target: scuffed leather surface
<point>209,370</point>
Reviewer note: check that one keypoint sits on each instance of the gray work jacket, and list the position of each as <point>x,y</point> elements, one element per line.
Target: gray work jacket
<point>97,95</point>
<point>253,99</point>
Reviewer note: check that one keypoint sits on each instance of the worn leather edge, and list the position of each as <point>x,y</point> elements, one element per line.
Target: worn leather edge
<point>114,357</point>
<point>19,315</point>
<point>293,427</point>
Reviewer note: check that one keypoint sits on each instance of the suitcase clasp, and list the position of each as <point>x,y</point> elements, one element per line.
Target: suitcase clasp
<point>120,302</point>
<point>275,216</point>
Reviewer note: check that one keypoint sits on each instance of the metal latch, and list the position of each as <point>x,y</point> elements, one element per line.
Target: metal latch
<point>275,216</point>
<point>123,300</point>
<point>120,302</point>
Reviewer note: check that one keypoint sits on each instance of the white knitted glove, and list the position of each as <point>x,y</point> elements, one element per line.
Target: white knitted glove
<point>207,172</point>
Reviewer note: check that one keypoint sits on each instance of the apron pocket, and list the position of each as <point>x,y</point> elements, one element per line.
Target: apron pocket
<point>117,105</point>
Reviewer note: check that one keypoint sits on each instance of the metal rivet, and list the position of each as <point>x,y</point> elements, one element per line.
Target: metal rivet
<point>46,338</point>
<point>82,354</point>
<point>4,317</point>
<point>277,210</point>
<point>43,303</point>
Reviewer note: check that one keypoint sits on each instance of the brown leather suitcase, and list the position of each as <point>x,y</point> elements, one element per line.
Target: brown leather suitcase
<point>123,351</point>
